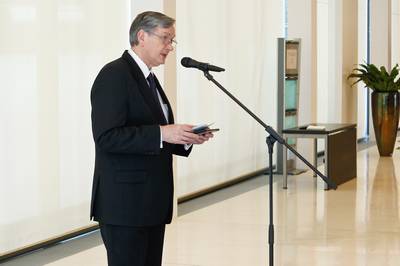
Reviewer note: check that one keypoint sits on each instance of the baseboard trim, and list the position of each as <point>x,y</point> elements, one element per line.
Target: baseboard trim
<point>221,185</point>
<point>47,243</point>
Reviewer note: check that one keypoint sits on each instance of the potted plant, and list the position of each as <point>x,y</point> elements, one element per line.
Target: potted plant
<point>384,102</point>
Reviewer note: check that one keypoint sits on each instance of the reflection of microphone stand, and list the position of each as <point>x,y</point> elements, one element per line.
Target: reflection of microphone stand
<point>271,139</point>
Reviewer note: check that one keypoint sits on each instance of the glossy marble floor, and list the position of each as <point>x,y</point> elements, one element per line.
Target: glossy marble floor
<point>356,225</point>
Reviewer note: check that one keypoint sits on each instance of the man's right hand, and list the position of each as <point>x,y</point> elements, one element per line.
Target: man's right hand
<point>181,134</point>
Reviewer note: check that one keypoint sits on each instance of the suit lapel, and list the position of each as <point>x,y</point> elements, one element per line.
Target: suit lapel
<point>144,88</point>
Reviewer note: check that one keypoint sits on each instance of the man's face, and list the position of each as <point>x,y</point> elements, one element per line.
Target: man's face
<point>156,45</point>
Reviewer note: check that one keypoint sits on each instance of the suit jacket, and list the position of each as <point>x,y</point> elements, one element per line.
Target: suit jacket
<point>133,180</point>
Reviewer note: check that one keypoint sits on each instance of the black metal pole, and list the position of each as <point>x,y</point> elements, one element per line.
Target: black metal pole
<point>271,234</point>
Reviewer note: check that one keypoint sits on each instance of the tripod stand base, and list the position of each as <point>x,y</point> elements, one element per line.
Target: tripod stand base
<point>289,172</point>
<point>296,171</point>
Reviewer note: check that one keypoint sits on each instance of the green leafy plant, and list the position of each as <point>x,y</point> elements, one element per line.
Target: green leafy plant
<point>377,79</point>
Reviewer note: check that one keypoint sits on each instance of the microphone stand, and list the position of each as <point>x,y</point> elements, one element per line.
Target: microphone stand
<point>271,139</point>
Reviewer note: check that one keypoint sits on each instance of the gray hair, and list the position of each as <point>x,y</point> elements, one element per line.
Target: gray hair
<point>148,21</point>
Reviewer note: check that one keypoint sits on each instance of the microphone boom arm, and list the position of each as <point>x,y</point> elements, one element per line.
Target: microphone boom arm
<point>272,132</point>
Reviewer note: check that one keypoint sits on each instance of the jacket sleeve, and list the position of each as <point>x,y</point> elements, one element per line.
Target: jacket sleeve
<point>181,151</point>
<point>109,99</point>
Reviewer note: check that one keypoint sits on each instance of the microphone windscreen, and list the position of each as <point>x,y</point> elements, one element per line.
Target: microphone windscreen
<point>186,61</point>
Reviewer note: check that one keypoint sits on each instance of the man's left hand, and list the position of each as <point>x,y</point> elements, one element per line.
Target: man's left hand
<point>203,138</point>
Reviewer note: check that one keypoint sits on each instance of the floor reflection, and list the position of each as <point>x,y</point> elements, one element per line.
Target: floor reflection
<point>382,215</point>
<point>383,195</point>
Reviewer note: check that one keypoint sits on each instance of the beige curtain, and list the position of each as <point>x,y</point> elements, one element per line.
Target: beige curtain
<point>240,36</point>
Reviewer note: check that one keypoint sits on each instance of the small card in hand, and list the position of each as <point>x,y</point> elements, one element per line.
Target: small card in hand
<point>207,130</point>
<point>204,128</point>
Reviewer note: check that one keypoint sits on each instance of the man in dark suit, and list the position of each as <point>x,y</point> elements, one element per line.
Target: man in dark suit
<point>135,137</point>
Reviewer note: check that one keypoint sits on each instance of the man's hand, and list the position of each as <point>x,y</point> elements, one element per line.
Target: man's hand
<point>205,137</point>
<point>182,134</point>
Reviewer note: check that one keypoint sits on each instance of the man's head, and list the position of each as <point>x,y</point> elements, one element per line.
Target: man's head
<point>152,37</point>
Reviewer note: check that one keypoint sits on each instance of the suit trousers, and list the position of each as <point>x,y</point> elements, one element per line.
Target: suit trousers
<point>133,246</point>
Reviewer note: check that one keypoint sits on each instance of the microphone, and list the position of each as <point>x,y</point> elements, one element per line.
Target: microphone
<point>189,62</point>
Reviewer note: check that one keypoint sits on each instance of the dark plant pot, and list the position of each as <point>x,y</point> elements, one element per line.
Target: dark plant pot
<point>385,116</point>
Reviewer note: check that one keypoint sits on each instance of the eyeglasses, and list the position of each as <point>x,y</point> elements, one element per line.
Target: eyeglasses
<point>165,39</point>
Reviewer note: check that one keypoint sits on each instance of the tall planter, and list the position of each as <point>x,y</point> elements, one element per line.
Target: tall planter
<point>385,116</point>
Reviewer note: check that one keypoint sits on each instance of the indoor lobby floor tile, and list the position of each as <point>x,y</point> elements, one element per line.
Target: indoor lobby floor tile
<point>356,225</point>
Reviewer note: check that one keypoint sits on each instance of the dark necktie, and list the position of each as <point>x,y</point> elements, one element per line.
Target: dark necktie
<point>153,88</point>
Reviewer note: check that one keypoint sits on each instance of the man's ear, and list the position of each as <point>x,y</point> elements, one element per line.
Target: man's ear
<point>141,36</point>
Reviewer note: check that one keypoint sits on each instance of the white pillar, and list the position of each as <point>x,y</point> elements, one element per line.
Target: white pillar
<point>301,15</point>
<point>395,32</point>
<point>380,39</point>
<point>349,54</point>
<point>381,32</point>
